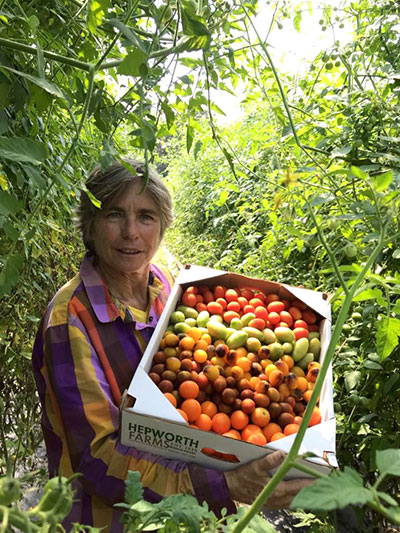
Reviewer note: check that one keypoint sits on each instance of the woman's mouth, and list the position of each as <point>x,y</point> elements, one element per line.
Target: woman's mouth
<point>129,251</point>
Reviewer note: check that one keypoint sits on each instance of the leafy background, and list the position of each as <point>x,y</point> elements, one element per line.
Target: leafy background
<point>297,190</point>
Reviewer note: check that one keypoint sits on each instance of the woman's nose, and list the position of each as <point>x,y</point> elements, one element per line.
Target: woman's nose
<point>130,228</point>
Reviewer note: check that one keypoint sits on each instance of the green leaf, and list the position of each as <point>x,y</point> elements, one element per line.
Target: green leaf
<point>188,43</point>
<point>358,173</point>
<point>9,204</point>
<point>129,34</point>
<point>133,488</point>
<point>352,379</point>
<point>334,492</point>
<point>40,82</point>
<point>22,149</point>
<point>387,335</point>
<point>168,113</point>
<point>197,147</point>
<point>383,181</point>
<point>10,274</point>
<point>95,14</point>
<point>371,365</point>
<point>388,462</point>
<point>367,294</point>
<point>192,24</point>
<point>189,137</point>
<point>297,20</point>
<point>341,151</point>
<point>131,63</point>
<point>386,498</point>
<point>322,198</point>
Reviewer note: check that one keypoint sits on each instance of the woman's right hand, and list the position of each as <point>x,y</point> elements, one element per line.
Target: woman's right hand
<point>246,482</point>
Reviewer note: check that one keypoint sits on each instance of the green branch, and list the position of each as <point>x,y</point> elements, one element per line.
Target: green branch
<point>328,250</point>
<point>15,45</point>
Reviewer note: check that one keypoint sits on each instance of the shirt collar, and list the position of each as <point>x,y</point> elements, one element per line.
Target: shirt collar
<point>99,296</point>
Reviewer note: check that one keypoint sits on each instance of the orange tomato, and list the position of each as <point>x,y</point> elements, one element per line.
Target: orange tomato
<point>257,438</point>
<point>203,422</point>
<point>188,389</point>
<point>260,416</point>
<point>192,408</point>
<point>270,429</point>
<point>171,398</point>
<point>221,423</point>
<point>239,420</point>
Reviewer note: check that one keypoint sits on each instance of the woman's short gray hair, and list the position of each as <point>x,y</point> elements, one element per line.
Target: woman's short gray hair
<point>107,185</point>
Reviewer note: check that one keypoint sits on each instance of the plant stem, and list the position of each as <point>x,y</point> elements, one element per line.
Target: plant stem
<point>8,43</point>
<point>290,458</point>
<point>327,249</point>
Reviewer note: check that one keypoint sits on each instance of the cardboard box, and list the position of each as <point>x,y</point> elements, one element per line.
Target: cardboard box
<point>150,423</point>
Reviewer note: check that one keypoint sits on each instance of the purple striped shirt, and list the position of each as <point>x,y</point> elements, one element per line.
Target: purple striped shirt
<point>85,354</point>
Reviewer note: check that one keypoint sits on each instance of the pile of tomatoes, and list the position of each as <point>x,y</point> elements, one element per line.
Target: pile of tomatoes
<point>228,362</point>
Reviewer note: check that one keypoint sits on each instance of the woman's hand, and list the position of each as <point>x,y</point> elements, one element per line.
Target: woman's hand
<point>246,482</point>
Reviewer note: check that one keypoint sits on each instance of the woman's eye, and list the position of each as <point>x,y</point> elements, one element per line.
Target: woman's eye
<point>114,214</point>
<point>146,218</point>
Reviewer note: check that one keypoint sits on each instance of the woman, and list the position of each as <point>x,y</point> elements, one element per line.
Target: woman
<point>89,345</point>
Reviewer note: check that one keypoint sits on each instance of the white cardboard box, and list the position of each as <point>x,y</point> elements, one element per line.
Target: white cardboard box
<point>150,423</point>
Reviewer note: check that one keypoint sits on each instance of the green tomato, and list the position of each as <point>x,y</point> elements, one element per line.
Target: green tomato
<point>350,250</point>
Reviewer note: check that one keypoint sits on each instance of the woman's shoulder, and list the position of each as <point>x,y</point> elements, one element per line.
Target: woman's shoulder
<point>162,273</point>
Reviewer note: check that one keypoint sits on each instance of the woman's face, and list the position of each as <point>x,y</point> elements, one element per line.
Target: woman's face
<point>126,233</point>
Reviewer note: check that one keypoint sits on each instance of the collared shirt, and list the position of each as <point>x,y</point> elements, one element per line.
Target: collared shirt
<point>85,354</point>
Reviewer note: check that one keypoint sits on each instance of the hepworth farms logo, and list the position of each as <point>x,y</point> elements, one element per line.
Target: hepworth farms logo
<point>162,439</point>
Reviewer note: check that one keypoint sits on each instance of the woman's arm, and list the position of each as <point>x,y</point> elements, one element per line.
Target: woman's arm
<point>82,413</point>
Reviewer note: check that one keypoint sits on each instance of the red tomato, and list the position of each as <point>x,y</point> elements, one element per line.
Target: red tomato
<point>300,324</point>
<point>219,292</point>
<point>231,295</point>
<point>222,302</point>
<point>272,297</point>
<point>257,323</point>
<point>286,317</point>
<point>298,303</point>
<point>248,309</point>
<point>208,297</point>
<point>300,332</point>
<point>246,293</point>
<point>276,307</point>
<point>261,312</point>
<point>255,302</point>
<point>309,316</point>
<point>233,306</point>
<point>274,318</point>
<point>243,301</point>
<point>295,312</point>
<point>228,315</point>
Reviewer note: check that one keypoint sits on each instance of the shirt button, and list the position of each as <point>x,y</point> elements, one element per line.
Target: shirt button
<point>151,319</point>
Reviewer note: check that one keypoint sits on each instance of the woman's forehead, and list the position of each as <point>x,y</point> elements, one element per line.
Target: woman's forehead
<point>132,195</point>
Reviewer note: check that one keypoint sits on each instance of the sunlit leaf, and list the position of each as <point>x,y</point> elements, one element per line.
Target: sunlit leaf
<point>131,63</point>
<point>334,492</point>
<point>382,181</point>
<point>352,379</point>
<point>341,151</point>
<point>95,13</point>
<point>387,336</point>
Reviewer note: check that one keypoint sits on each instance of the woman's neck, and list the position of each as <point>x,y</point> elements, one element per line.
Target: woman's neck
<point>130,289</point>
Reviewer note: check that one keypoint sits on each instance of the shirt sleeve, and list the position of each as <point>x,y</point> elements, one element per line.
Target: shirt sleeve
<point>80,406</point>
